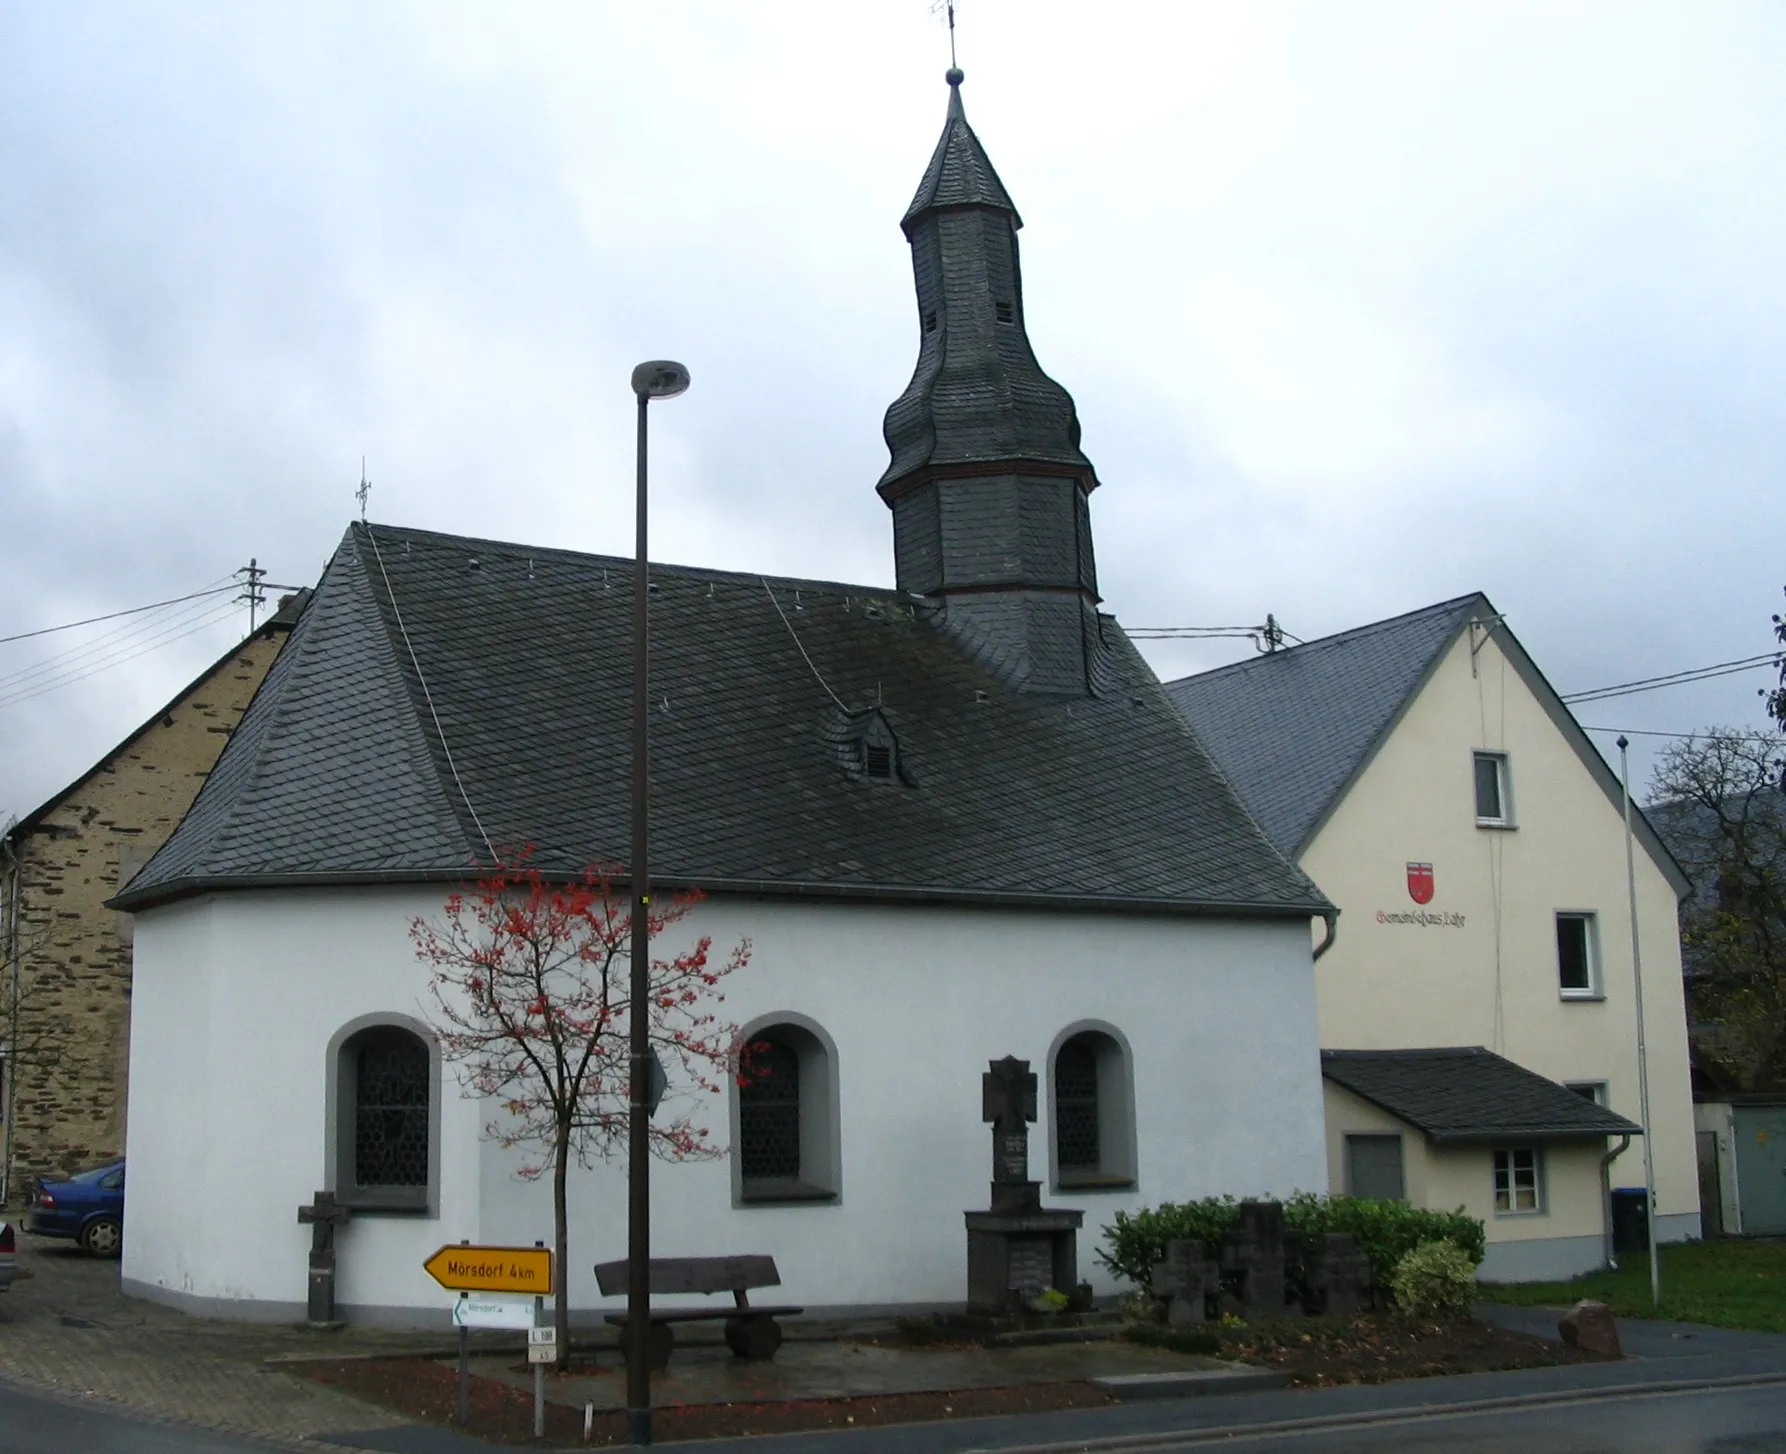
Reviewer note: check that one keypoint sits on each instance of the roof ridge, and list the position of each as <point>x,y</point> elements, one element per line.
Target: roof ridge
<point>523,551</point>
<point>1337,638</point>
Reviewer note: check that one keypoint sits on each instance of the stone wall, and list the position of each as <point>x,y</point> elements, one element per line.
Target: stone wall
<point>71,1051</point>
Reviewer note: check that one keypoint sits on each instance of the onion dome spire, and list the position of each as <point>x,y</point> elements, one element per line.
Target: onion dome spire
<point>987,482</point>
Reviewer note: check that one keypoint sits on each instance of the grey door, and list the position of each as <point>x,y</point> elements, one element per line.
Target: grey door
<point>1761,1167</point>
<point>1374,1167</point>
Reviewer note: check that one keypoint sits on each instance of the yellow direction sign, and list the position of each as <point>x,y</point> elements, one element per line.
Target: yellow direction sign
<point>465,1268</point>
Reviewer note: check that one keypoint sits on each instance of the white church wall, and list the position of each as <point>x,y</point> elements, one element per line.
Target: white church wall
<point>1219,1015</point>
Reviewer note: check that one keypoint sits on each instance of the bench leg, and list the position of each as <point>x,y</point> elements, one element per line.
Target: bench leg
<point>659,1340</point>
<point>750,1337</point>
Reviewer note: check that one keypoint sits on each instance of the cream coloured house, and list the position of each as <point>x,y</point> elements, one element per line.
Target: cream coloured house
<point>1424,773</point>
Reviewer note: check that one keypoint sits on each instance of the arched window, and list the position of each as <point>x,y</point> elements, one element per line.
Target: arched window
<point>785,1130</point>
<point>386,1116</point>
<point>1092,1092</point>
<point>769,1112</point>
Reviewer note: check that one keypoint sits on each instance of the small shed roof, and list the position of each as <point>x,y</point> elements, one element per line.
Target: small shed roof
<point>1470,1094</point>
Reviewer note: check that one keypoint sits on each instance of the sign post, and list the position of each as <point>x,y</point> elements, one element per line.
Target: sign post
<point>469,1270</point>
<point>539,1366</point>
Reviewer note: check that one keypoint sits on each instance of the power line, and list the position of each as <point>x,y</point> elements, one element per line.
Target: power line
<point>25,692</point>
<point>114,615</point>
<point>118,638</point>
<point>1652,732</point>
<point>1675,679</point>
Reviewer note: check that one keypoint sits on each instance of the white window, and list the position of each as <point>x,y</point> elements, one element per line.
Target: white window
<point>1578,956</point>
<point>1588,1090</point>
<point>1519,1182</point>
<point>1494,795</point>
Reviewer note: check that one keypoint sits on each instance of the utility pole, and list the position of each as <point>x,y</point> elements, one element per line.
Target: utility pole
<point>251,589</point>
<point>1274,633</point>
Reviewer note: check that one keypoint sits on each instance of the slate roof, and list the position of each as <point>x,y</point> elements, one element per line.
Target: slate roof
<point>338,772</point>
<point>1292,728</point>
<point>977,394</point>
<point>1468,1094</point>
<point>960,173</point>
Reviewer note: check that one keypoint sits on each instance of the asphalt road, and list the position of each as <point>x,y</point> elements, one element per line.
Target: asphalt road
<point>1728,1421</point>
<point>30,1423</point>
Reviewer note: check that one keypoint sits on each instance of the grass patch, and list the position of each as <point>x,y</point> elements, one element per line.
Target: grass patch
<point>1727,1283</point>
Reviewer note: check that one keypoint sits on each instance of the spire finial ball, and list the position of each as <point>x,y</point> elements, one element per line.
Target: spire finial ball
<point>954,75</point>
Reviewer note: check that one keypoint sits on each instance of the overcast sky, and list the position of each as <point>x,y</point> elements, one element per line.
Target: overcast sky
<point>1364,306</point>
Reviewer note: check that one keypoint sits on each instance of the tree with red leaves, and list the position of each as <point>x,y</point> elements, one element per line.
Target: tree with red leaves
<point>531,981</point>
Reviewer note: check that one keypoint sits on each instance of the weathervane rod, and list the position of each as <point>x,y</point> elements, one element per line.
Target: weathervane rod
<point>952,65</point>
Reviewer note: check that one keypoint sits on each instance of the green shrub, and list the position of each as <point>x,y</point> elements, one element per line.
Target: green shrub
<point>1435,1279</point>
<point>1385,1231</point>
<point>1137,1242</point>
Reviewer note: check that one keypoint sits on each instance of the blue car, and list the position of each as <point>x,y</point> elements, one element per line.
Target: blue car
<point>88,1206</point>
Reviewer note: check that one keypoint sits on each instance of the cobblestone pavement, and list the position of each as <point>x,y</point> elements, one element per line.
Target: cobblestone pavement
<point>65,1327</point>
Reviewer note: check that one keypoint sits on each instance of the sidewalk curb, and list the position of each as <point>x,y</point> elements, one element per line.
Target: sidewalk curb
<point>1369,1417</point>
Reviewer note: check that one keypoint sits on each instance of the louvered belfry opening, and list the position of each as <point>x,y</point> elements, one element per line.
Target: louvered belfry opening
<point>987,483</point>
<point>391,1073</point>
<point>769,1113</point>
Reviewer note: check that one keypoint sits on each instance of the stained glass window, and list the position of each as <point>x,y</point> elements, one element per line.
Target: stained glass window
<point>769,1113</point>
<point>1076,1106</point>
<point>390,1120</point>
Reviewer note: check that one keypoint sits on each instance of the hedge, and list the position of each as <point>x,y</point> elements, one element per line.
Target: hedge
<point>1385,1231</point>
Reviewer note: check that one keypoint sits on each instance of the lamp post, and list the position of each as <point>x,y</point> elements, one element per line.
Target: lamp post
<point>1643,1059</point>
<point>658,379</point>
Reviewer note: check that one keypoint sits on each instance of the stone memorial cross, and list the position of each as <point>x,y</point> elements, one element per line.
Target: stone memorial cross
<point>323,1216</point>
<point>1008,1101</point>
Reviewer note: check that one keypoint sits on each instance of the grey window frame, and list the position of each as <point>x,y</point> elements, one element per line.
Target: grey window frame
<point>1352,1137</point>
<point>820,1182</point>
<point>1117,1169</point>
<point>340,1116</point>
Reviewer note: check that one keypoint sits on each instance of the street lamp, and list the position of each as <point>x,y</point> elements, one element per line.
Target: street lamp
<point>658,379</point>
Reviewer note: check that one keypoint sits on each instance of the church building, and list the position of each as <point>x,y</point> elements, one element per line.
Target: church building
<point>958,820</point>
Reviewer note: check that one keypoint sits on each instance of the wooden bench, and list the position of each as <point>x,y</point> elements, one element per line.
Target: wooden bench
<point>751,1332</point>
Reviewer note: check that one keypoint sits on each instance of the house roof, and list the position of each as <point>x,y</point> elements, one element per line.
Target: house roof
<point>1293,728</point>
<point>1467,1093</point>
<point>443,691</point>
<point>280,622</point>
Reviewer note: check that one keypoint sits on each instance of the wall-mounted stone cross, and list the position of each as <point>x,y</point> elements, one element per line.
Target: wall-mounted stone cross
<point>323,1216</point>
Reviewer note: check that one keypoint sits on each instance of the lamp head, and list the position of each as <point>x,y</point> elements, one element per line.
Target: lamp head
<point>660,378</point>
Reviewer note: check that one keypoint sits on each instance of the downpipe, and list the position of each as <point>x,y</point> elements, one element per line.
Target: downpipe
<point>1612,1260</point>
<point>1331,920</point>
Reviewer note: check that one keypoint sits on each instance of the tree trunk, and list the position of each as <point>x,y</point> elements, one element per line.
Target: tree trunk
<point>561,1315</point>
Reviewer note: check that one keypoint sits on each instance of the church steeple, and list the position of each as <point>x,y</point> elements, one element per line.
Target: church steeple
<point>987,482</point>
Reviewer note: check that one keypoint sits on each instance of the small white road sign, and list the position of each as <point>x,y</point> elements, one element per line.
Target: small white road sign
<point>542,1345</point>
<point>479,1310</point>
